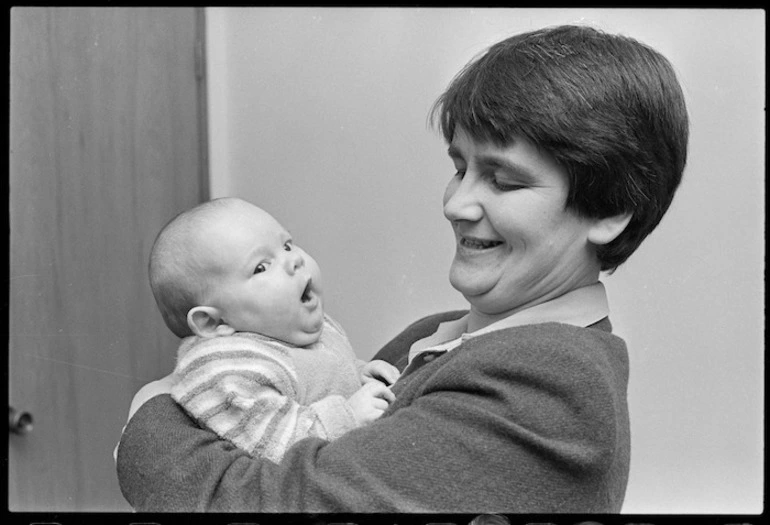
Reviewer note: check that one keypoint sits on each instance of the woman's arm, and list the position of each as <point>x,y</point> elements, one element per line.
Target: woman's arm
<point>501,431</point>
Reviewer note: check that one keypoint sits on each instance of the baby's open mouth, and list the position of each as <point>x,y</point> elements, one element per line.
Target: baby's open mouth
<point>306,292</point>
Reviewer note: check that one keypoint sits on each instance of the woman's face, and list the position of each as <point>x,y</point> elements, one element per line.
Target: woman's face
<point>517,244</point>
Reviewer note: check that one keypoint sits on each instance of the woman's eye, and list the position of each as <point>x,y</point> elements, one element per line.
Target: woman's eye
<point>288,246</point>
<point>506,186</point>
<point>504,183</point>
<point>460,173</point>
<point>260,268</point>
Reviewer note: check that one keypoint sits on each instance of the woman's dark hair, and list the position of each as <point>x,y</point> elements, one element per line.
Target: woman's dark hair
<point>607,108</point>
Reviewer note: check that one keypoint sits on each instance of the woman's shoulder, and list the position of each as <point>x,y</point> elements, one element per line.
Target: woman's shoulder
<point>574,370</point>
<point>581,353</point>
<point>556,337</point>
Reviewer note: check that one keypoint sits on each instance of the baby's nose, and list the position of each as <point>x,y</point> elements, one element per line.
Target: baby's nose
<point>294,262</point>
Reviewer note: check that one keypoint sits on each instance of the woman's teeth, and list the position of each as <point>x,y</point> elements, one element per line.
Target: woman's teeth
<point>478,244</point>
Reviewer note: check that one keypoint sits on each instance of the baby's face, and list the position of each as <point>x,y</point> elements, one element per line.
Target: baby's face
<point>259,279</point>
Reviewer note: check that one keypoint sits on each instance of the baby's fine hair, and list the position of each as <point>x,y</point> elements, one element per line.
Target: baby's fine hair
<point>177,281</point>
<point>607,108</point>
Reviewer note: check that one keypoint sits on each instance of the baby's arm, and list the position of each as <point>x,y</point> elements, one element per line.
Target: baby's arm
<point>252,401</point>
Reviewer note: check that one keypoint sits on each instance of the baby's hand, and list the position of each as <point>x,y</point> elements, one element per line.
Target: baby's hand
<point>370,401</point>
<point>380,371</point>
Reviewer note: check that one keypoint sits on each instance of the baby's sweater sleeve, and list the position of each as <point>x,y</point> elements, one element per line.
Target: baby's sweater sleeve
<point>247,393</point>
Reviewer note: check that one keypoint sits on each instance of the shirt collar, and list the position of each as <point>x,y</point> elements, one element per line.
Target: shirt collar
<point>581,307</point>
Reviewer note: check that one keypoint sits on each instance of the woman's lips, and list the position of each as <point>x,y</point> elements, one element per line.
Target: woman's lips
<point>475,243</point>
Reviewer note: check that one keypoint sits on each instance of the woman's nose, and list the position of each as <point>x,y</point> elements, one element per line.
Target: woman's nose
<point>462,199</point>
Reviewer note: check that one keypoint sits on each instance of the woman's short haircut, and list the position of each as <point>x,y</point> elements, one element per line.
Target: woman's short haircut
<point>607,108</point>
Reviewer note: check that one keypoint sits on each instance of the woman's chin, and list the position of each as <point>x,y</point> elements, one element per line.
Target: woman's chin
<point>468,283</point>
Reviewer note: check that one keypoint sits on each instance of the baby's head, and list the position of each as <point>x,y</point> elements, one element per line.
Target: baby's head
<point>228,266</point>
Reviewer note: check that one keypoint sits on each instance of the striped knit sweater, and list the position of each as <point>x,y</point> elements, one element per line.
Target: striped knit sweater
<point>264,395</point>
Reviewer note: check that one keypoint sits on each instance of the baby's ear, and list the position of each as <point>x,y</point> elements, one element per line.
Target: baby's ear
<point>206,321</point>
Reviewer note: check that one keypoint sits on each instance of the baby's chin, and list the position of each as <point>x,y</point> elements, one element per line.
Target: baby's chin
<point>305,335</point>
<point>303,338</point>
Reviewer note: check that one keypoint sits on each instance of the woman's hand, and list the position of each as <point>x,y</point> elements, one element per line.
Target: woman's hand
<point>380,371</point>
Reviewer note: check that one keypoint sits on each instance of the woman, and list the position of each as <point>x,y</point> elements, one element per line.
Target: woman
<point>568,146</point>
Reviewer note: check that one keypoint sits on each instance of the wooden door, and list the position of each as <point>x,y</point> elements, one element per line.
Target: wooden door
<point>107,142</point>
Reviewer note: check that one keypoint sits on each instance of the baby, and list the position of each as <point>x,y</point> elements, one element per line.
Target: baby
<point>260,363</point>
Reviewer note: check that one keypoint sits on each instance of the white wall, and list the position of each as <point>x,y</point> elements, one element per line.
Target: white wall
<point>319,115</point>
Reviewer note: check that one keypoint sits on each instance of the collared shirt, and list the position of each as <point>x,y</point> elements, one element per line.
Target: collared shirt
<point>581,307</point>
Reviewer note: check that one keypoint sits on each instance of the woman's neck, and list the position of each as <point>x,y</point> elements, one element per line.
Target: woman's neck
<point>477,319</point>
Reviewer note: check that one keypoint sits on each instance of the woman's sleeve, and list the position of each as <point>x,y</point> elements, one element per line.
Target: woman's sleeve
<point>484,435</point>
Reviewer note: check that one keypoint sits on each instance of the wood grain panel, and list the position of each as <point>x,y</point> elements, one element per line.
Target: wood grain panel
<point>106,146</point>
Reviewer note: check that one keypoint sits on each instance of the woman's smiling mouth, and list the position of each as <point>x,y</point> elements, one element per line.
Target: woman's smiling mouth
<point>473,243</point>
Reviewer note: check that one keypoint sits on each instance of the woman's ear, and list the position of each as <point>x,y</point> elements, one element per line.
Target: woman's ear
<point>604,231</point>
<point>206,321</point>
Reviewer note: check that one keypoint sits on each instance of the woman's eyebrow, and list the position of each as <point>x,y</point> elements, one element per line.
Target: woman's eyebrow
<point>496,161</point>
<point>512,167</point>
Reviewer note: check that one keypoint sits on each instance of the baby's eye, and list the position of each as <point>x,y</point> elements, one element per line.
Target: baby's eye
<point>288,246</point>
<point>260,268</point>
